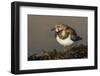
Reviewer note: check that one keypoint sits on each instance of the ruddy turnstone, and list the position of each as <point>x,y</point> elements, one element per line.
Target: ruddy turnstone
<point>65,35</point>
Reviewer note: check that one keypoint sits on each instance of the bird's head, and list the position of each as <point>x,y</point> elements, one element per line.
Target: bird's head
<point>58,27</point>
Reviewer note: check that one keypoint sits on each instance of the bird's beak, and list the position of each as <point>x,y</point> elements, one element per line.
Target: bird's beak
<point>53,29</point>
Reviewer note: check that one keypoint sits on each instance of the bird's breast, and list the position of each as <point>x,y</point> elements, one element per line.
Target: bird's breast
<point>65,42</point>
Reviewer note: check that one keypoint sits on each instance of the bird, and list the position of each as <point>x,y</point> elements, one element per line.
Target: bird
<point>65,35</point>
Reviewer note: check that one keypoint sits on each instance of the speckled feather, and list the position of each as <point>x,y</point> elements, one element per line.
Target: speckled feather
<point>68,30</point>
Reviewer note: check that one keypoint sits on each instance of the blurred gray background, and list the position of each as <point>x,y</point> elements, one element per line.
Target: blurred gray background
<point>41,37</point>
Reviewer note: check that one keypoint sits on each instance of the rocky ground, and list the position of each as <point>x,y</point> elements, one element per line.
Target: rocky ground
<point>75,52</point>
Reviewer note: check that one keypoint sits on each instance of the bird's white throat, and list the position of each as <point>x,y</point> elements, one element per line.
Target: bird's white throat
<point>65,42</point>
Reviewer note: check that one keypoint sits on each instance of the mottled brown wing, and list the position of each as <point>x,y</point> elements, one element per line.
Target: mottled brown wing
<point>73,34</point>
<point>71,31</point>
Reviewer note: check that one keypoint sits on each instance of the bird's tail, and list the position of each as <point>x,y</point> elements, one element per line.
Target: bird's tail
<point>78,38</point>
